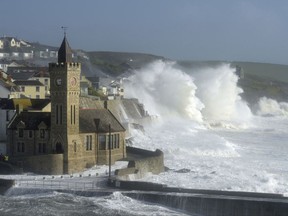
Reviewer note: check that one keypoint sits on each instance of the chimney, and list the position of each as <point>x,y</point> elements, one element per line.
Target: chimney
<point>106,104</point>
<point>19,108</point>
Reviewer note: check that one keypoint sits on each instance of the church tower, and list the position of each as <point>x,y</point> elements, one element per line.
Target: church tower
<point>65,92</point>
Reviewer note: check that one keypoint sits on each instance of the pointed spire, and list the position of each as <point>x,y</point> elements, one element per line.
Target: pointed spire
<point>64,52</point>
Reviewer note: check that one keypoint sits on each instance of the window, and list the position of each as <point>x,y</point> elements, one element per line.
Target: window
<point>61,114</point>
<point>20,147</point>
<point>102,142</point>
<point>111,142</point>
<point>117,141</point>
<point>57,114</point>
<point>37,88</point>
<point>42,133</point>
<point>7,115</point>
<point>75,146</point>
<point>22,88</point>
<point>88,142</point>
<point>42,147</point>
<point>21,132</point>
<point>30,133</point>
<point>46,82</point>
<point>37,96</point>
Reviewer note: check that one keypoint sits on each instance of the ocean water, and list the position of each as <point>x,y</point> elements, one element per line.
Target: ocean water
<point>210,138</point>
<point>61,204</point>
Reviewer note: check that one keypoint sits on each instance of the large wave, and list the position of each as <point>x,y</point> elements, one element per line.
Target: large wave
<point>165,91</point>
<point>270,107</point>
<point>208,94</point>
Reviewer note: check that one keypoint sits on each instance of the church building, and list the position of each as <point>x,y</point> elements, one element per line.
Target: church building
<point>71,137</point>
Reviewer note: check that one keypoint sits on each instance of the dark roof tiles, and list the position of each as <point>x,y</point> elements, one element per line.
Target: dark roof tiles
<point>64,52</point>
<point>98,120</point>
<point>28,83</point>
<point>31,120</point>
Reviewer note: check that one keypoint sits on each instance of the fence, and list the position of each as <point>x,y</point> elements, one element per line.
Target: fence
<point>96,183</point>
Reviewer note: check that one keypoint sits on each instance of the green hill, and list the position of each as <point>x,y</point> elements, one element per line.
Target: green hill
<point>117,63</point>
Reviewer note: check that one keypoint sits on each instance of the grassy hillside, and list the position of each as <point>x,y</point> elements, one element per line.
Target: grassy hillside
<point>274,72</point>
<point>260,79</point>
<point>117,63</point>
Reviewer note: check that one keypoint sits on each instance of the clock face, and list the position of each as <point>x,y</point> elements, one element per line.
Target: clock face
<point>73,81</point>
<point>58,81</point>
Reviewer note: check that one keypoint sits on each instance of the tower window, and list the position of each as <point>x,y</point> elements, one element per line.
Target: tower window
<point>20,147</point>
<point>21,132</point>
<point>57,115</point>
<point>88,142</point>
<point>71,116</point>
<point>74,114</point>
<point>42,133</point>
<point>30,133</point>
<point>60,114</point>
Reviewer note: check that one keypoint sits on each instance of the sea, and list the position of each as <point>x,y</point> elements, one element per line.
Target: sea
<point>210,136</point>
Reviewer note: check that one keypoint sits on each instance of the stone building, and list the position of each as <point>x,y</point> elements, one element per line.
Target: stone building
<point>70,138</point>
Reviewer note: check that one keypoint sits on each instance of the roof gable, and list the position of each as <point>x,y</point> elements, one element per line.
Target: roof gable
<point>98,120</point>
<point>31,120</point>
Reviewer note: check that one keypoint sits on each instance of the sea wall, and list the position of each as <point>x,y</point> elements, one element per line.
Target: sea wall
<point>5,184</point>
<point>206,202</point>
<point>208,205</point>
<point>143,162</point>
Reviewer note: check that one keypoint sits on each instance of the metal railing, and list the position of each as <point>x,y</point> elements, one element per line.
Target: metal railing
<point>74,184</point>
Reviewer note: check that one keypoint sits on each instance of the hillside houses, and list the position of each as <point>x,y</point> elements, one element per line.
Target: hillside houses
<point>13,48</point>
<point>72,135</point>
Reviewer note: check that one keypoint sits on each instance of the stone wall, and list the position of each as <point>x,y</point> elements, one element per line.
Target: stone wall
<point>144,162</point>
<point>51,164</point>
<point>5,184</point>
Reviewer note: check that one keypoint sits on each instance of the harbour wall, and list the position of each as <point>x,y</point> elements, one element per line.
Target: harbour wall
<point>206,202</point>
<point>5,184</point>
<point>140,163</point>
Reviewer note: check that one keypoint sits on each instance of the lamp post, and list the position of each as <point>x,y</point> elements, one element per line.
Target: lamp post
<point>109,152</point>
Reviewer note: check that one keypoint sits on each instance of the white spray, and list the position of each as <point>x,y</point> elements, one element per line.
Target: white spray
<point>218,91</point>
<point>268,106</point>
<point>165,91</point>
<point>209,94</point>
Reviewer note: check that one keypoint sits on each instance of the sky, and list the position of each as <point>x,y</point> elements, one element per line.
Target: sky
<point>229,30</point>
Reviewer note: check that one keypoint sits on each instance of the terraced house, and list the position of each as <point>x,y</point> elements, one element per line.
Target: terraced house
<point>72,136</point>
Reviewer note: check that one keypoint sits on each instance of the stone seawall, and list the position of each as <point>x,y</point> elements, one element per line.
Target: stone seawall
<point>206,202</point>
<point>5,184</point>
<point>140,163</point>
<point>216,205</point>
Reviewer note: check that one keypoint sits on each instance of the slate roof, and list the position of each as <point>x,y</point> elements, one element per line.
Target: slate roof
<point>31,120</point>
<point>27,103</point>
<point>28,83</point>
<point>98,120</point>
<point>6,104</point>
<point>22,75</point>
<point>64,52</point>
<point>6,85</point>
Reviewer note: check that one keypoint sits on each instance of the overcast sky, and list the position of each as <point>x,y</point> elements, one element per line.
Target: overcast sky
<point>243,30</point>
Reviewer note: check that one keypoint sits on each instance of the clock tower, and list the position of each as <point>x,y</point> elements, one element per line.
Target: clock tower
<point>65,92</point>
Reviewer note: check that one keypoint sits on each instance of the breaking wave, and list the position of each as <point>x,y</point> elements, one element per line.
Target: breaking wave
<point>207,95</point>
<point>270,107</point>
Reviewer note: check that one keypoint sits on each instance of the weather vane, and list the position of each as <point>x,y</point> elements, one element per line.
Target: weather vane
<point>64,28</point>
